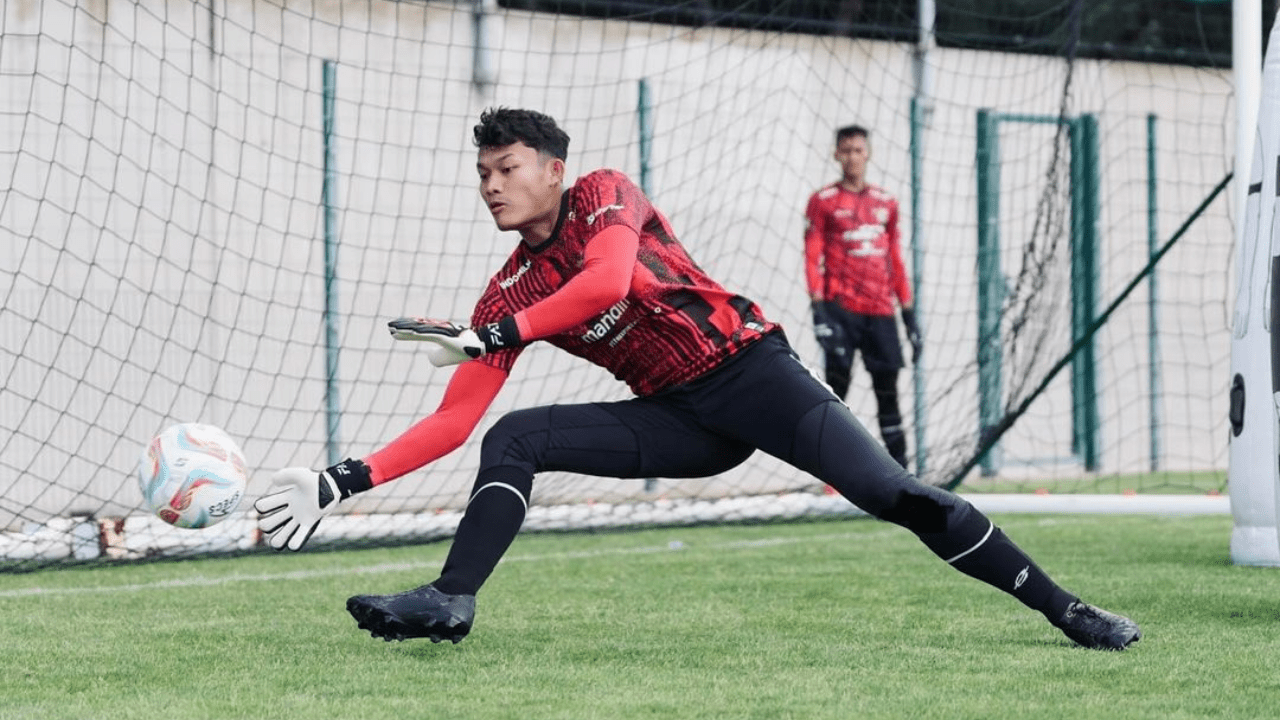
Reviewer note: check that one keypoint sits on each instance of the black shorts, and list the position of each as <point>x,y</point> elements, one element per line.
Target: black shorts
<point>875,336</point>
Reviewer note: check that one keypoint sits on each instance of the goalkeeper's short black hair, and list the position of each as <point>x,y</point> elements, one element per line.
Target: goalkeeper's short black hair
<point>504,126</point>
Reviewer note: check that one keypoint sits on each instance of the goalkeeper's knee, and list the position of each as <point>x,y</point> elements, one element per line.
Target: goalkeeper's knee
<point>518,439</point>
<point>945,522</point>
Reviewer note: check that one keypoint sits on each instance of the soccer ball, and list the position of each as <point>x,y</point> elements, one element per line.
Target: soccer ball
<point>192,475</point>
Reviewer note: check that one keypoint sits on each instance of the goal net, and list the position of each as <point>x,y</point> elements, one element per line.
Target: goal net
<point>211,209</point>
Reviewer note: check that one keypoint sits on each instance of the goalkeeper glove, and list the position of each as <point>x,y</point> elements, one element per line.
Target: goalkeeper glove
<point>451,343</point>
<point>913,333</point>
<point>821,320</point>
<point>825,329</point>
<point>290,514</point>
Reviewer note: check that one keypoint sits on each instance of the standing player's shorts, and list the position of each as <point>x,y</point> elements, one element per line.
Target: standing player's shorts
<point>875,336</point>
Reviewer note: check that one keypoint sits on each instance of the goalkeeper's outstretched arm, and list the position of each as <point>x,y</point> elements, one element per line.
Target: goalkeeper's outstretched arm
<point>470,392</point>
<point>303,497</point>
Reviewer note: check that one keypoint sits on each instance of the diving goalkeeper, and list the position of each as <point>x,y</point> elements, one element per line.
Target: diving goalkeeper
<point>600,274</point>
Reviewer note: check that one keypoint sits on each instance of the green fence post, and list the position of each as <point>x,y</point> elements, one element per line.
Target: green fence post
<point>921,417</point>
<point>645,115</point>
<point>1085,420</point>
<point>329,194</point>
<point>1153,297</point>
<point>990,285</point>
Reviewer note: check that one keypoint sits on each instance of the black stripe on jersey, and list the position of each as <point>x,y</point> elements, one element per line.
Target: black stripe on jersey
<point>560,268</point>
<point>699,310</point>
<point>743,306</point>
<point>654,227</point>
<point>659,269</point>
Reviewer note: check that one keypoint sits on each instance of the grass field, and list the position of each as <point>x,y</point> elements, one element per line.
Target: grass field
<point>850,619</point>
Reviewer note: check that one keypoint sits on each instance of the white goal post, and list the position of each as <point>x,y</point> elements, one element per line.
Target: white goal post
<point>1254,475</point>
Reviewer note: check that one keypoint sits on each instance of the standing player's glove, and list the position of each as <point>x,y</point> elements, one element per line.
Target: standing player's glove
<point>824,328</point>
<point>452,343</point>
<point>913,333</point>
<point>290,514</point>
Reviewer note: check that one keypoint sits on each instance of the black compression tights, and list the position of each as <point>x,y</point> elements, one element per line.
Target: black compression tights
<point>763,400</point>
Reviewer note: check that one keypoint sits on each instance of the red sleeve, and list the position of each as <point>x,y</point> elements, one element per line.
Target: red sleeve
<point>472,388</point>
<point>609,259</point>
<point>813,238</point>
<point>901,286</point>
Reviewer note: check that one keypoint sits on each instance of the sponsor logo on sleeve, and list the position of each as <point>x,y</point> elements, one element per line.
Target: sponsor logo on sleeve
<point>591,219</point>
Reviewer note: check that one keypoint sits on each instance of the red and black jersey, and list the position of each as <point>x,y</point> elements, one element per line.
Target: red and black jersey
<point>852,251</point>
<point>674,324</point>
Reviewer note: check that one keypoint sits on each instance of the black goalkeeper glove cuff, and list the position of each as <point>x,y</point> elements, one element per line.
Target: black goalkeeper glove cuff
<point>500,335</point>
<point>350,476</point>
<point>913,333</point>
<point>909,321</point>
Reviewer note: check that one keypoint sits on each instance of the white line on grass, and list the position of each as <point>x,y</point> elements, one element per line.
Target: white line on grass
<point>199,581</point>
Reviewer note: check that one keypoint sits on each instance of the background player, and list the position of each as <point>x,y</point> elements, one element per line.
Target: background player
<point>599,273</point>
<point>853,267</point>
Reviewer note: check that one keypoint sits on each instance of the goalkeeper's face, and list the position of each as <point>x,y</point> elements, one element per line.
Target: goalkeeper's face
<point>521,188</point>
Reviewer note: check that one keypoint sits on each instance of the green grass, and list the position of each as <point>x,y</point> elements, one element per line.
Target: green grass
<point>851,619</point>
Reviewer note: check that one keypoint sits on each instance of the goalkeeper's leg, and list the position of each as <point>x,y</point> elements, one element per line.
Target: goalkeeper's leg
<point>780,408</point>
<point>631,439</point>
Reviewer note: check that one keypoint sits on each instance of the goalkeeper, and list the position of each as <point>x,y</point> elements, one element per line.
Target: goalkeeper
<point>853,267</point>
<point>599,273</point>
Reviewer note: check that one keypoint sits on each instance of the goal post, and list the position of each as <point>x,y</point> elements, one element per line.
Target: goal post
<point>212,209</point>
<point>1255,358</point>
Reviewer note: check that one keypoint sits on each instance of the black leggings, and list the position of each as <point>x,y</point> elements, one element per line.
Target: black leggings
<point>763,398</point>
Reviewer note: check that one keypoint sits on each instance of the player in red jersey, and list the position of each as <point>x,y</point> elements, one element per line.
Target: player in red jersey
<point>599,273</point>
<point>853,267</point>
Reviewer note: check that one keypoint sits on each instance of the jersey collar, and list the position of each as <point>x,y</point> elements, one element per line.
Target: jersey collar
<point>555,232</point>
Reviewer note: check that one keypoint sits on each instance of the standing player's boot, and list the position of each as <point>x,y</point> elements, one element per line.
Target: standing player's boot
<point>421,612</point>
<point>1096,628</point>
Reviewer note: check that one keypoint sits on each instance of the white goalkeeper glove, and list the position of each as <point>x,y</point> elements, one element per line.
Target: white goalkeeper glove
<point>451,343</point>
<point>290,515</point>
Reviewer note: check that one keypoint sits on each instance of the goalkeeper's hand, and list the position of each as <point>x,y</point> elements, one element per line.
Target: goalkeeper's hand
<point>913,333</point>
<point>305,497</point>
<point>451,343</point>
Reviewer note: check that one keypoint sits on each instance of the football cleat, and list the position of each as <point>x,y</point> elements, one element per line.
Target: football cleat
<point>1096,628</point>
<point>423,612</point>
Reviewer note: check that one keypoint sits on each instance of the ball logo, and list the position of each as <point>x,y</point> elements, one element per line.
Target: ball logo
<point>225,506</point>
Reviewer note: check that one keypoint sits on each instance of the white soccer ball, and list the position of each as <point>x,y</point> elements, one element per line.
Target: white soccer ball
<point>192,475</point>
